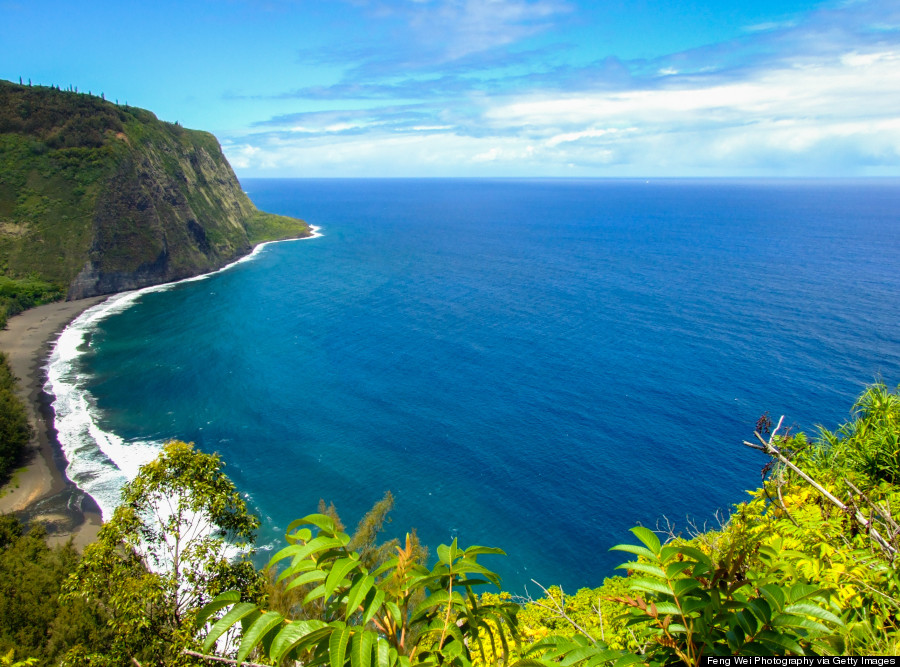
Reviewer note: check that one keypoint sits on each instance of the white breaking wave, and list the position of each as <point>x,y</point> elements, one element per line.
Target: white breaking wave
<point>101,462</point>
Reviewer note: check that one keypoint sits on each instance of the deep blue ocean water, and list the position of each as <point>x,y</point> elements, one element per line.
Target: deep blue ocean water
<point>531,364</point>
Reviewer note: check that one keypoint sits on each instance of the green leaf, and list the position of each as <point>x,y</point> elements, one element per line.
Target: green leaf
<point>667,608</point>
<point>478,551</point>
<point>648,537</point>
<point>235,614</point>
<point>284,552</point>
<point>374,600</point>
<point>465,566</point>
<point>447,554</point>
<point>692,604</point>
<point>394,611</point>
<point>780,640</point>
<point>746,620</point>
<point>453,632</point>
<point>793,621</point>
<point>436,599</point>
<point>799,591</point>
<point>357,594</point>
<point>634,549</point>
<point>668,552</point>
<point>452,650</point>
<point>676,568</point>
<point>306,578</point>
<point>339,571</point>
<point>219,602</point>
<point>315,594</point>
<point>813,610</point>
<point>361,648</point>
<point>384,653</point>
<point>389,565</point>
<point>649,585</point>
<point>735,638</point>
<point>303,535</point>
<point>696,554</point>
<point>296,633</point>
<point>254,634</point>
<point>468,584</point>
<point>249,620</point>
<point>684,586</point>
<point>646,568</point>
<point>321,521</point>
<point>604,656</point>
<point>773,595</point>
<point>316,545</point>
<point>296,568</point>
<point>553,643</point>
<point>337,644</point>
<point>761,609</point>
<point>578,654</point>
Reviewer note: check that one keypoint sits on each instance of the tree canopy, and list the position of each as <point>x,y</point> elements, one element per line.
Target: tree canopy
<point>170,547</point>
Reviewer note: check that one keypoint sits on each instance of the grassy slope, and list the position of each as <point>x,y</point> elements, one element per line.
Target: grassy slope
<point>85,180</point>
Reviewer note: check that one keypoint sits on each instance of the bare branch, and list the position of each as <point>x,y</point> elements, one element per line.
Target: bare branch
<point>560,610</point>
<point>669,530</point>
<point>600,615</point>
<point>885,514</point>
<point>770,449</point>
<point>781,500</point>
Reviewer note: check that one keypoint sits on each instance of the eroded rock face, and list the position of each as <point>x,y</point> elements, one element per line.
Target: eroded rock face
<point>105,198</point>
<point>170,212</point>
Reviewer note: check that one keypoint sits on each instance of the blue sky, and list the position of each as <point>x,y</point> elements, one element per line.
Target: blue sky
<point>492,87</point>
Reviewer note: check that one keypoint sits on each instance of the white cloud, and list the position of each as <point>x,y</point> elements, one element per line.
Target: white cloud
<point>855,85</point>
<point>592,133</point>
<point>333,127</point>
<point>828,105</point>
<point>512,152</point>
<point>471,26</point>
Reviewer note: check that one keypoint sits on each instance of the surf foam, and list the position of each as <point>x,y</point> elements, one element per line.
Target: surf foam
<point>101,462</point>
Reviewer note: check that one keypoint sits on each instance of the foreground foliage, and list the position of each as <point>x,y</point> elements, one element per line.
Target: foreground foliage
<point>15,431</point>
<point>401,613</point>
<point>800,569</point>
<point>807,566</point>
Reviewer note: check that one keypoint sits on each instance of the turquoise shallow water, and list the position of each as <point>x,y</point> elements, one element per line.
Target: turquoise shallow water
<point>535,365</point>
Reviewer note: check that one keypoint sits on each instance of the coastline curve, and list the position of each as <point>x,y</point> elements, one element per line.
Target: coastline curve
<point>98,462</point>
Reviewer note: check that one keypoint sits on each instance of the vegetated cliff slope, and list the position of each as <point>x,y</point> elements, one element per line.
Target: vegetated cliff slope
<point>99,197</point>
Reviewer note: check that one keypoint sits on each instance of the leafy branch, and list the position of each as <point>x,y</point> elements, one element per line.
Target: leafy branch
<point>400,613</point>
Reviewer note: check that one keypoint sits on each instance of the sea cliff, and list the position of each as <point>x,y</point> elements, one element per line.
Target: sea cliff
<point>99,197</point>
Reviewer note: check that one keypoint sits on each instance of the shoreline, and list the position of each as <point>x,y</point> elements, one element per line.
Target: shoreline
<point>41,491</point>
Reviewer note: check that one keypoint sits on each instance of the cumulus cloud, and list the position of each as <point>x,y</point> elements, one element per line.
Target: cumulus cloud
<point>818,95</point>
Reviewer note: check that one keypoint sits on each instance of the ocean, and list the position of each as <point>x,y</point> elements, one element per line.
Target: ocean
<point>536,365</point>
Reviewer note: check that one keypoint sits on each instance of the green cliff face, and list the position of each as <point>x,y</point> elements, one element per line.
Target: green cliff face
<point>101,198</point>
